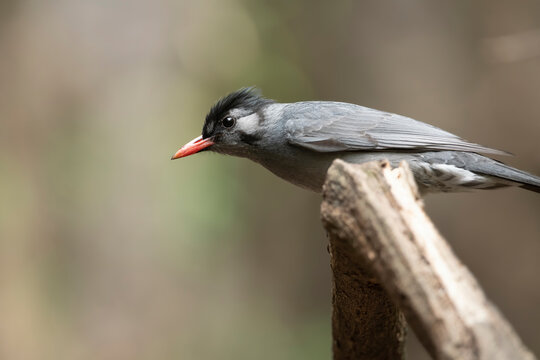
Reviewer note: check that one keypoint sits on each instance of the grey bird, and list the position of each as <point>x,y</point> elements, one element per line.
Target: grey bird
<point>298,142</point>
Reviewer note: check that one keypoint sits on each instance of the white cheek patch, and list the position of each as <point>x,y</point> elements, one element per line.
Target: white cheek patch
<point>248,124</point>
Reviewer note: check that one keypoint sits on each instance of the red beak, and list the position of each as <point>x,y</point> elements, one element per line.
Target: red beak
<point>192,147</point>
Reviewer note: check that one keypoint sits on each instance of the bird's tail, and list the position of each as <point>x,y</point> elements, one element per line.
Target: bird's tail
<point>502,171</point>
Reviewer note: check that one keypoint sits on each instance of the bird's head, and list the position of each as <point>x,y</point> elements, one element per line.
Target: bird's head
<point>232,126</point>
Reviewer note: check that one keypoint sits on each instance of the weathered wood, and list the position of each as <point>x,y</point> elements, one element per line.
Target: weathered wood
<point>377,225</point>
<point>365,322</point>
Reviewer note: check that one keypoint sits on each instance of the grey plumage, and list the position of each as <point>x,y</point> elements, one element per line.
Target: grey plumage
<point>335,126</point>
<point>299,141</point>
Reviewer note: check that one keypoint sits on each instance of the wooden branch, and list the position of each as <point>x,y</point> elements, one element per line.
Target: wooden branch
<point>380,234</point>
<point>365,322</point>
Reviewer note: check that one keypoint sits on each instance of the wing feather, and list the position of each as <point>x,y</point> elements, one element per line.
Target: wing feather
<point>331,127</point>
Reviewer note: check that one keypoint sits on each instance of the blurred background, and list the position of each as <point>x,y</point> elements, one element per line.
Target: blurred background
<point>108,250</point>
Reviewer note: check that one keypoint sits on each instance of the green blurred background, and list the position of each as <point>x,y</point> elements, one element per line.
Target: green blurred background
<point>108,250</point>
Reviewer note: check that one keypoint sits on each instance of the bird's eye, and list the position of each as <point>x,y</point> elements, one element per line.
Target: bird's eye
<point>228,122</point>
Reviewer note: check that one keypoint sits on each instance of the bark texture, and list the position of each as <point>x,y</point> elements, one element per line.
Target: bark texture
<point>386,253</point>
<point>365,322</point>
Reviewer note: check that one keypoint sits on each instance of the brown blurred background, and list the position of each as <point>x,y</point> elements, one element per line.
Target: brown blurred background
<point>108,250</point>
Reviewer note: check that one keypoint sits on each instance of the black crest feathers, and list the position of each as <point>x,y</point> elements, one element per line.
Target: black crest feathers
<point>245,98</point>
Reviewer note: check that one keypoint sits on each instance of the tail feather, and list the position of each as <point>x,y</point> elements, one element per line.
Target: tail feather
<point>483,165</point>
<point>502,171</point>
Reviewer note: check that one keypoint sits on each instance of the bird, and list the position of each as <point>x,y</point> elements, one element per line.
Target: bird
<point>299,141</point>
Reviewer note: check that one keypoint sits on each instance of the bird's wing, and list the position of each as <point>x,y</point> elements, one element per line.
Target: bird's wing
<point>331,127</point>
